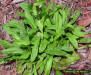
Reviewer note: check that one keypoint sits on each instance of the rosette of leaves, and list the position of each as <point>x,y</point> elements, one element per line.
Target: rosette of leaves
<point>46,37</point>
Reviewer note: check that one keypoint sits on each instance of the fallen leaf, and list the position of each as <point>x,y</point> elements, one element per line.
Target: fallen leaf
<point>88,35</point>
<point>89,56</point>
<point>89,3</point>
<point>84,22</point>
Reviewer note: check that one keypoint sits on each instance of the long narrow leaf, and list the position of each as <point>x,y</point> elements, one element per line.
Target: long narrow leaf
<point>73,40</point>
<point>35,49</point>
<point>48,65</point>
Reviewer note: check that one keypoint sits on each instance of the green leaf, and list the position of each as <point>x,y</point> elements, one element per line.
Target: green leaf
<point>56,8</point>
<point>48,65</point>
<point>20,68</point>
<point>48,22</point>
<point>40,25</point>
<point>26,6</point>
<point>40,63</point>
<point>25,55</point>
<point>28,16</point>
<point>6,43</point>
<point>58,22</point>
<point>42,66</point>
<point>22,42</point>
<point>45,35</point>
<point>78,32</point>
<point>67,46</point>
<point>35,49</point>
<point>64,17</point>
<point>27,72</point>
<point>20,14</point>
<point>59,73</point>
<point>75,16</point>
<point>18,31</point>
<point>35,72</point>
<point>48,8</point>
<point>68,25</point>
<point>56,52</point>
<point>71,59</point>
<point>51,32</point>
<point>41,69</point>
<point>43,45</point>
<point>12,50</point>
<point>32,32</point>
<point>2,61</point>
<point>85,40</point>
<point>16,57</point>
<point>30,19</point>
<point>8,58</point>
<point>44,39</point>
<point>52,45</point>
<point>73,40</point>
<point>35,5</point>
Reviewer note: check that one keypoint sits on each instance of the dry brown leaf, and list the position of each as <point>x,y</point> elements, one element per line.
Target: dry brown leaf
<point>5,36</point>
<point>84,22</point>
<point>88,35</point>
<point>1,16</point>
<point>89,56</point>
<point>89,3</point>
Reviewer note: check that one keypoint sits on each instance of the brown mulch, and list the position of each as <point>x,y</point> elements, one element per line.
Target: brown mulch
<point>8,9</point>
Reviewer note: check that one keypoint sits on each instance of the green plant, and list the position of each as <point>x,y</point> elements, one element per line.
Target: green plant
<point>46,38</point>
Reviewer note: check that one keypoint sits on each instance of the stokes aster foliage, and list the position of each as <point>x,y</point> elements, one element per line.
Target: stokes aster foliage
<point>46,38</point>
